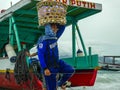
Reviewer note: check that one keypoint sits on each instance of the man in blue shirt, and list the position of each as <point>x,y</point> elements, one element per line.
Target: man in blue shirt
<point>49,57</point>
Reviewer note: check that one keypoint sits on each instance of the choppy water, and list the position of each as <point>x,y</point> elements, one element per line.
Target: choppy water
<point>106,80</point>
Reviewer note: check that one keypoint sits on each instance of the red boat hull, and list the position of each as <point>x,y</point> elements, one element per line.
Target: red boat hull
<point>11,84</point>
<point>80,78</point>
<point>83,78</point>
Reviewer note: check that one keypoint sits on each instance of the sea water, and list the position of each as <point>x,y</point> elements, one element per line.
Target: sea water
<point>105,80</point>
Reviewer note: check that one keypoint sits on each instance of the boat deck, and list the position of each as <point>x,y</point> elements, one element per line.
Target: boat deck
<point>26,19</point>
<point>6,64</point>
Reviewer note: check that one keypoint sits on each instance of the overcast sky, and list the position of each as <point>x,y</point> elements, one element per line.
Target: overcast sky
<point>100,29</point>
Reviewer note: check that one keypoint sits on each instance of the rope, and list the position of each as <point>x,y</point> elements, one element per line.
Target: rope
<point>77,42</point>
<point>75,73</point>
<point>21,71</point>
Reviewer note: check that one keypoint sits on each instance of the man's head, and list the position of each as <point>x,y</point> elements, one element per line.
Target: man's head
<point>51,29</point>
<point>54,27</point>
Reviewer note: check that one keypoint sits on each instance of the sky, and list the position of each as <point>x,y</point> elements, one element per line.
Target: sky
<point>100,31</point>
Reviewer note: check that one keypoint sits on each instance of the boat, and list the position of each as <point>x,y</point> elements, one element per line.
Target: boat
<point>19,26</point>
<point>110,63</point>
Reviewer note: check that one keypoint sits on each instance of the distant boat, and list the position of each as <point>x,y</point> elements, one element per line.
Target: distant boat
<point>109,63</point>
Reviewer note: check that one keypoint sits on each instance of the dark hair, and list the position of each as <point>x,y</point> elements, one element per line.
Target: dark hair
<point>54,24</point>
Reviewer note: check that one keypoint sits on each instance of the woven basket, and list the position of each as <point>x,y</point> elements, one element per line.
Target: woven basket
<point>51,12</point>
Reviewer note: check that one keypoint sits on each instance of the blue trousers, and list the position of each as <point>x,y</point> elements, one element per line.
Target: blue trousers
<point>64,68</point>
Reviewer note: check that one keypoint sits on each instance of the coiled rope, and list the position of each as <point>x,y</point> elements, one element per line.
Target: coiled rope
<point>21,70</point>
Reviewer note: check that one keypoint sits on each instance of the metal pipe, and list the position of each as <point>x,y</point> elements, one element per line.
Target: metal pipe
<point>73,42</point>
<point>16,33</point>
<point>10,31</point>
<point>80,37</point>
<point>90,58</point>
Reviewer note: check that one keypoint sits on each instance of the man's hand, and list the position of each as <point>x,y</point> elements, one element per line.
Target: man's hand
<point>47,72</point>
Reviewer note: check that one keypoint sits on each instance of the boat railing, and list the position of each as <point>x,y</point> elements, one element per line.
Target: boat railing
<point>1,58</point>
<point>82,62</point>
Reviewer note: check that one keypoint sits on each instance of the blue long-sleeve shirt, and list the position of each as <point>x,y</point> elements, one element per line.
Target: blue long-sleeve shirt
<point>47,46</point>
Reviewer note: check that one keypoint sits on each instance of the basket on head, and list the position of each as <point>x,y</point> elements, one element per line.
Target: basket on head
<point>51,12</point>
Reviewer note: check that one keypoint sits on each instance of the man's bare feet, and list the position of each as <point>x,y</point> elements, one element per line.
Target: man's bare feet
<point>44,89</point>
<point>66,84</point>
<point>63,87</point>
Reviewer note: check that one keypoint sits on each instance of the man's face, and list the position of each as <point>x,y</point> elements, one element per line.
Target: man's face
<point>54,28</point>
